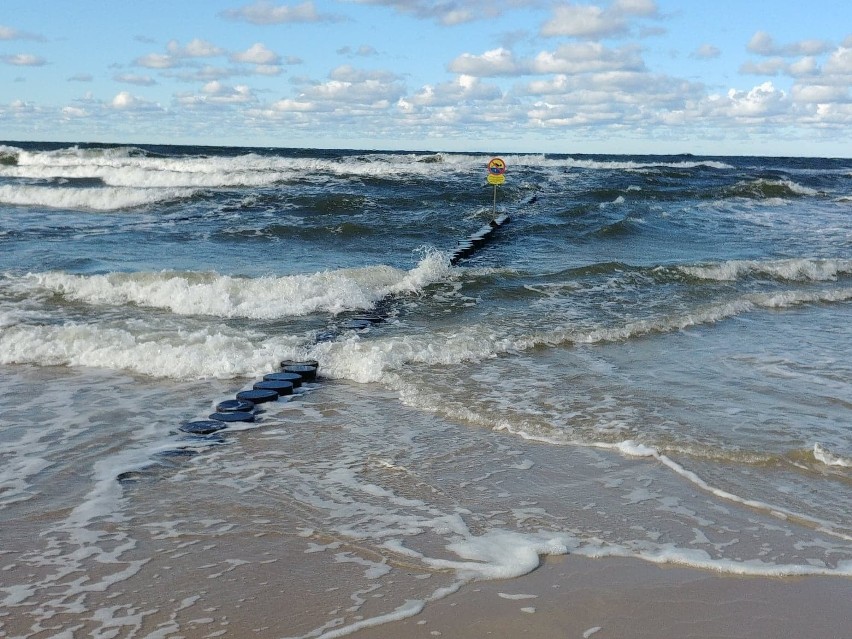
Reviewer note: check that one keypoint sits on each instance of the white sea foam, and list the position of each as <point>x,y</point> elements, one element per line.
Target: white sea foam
<point>89,198</point>
<point>633,449</point>
<point>797,188</point>
<point>370,360</point>
<point>828,458</point>
<point>791,270</point>
<point>178,354</point>
<point>228,296</point>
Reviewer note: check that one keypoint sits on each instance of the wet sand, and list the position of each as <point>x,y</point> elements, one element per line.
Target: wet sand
<point>576,597</point>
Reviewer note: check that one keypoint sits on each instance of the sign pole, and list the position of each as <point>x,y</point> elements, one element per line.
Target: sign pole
<point>494,209</point>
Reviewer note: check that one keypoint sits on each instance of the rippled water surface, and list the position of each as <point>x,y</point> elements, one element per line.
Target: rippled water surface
<point>651,359</point>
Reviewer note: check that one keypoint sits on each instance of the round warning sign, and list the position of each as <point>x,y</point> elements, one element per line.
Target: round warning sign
<point>496,166</point>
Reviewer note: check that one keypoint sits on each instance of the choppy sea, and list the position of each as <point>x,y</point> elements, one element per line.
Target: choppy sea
<point>652,359</point>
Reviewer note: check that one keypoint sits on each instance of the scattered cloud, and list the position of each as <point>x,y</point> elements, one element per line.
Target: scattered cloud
<point>72,112</point>
<point>157,61</point>
<point>364,51</point>
<point>463,90</point>
<point>8,33</point>
<point>264,12</point>
<point>705,52</point>
<point>24,60</point>
<point>195,48</point>
<point>81,77</point>
<point>125,101</point>
<point>177,55</point>
<point>447,13</point>
<point>772,66</point>
<point>132,78</point>
<point>355,88</point>
<point>258,53</point>
<point>761,102</point>
<point>571,58</point>
<point>594,22</point>
<point>489,64</point>
<point>762,43</point>
<point>218,93</point>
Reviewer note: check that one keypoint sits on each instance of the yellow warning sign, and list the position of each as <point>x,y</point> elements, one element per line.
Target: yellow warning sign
<point>496,179</point>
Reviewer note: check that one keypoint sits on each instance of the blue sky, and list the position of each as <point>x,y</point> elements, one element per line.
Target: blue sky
<point>764,77</point>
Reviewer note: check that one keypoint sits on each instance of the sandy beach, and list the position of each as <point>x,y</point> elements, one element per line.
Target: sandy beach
<point>575,597</point>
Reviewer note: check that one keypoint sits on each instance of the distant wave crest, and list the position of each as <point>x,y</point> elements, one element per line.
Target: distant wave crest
<point>807,270</point>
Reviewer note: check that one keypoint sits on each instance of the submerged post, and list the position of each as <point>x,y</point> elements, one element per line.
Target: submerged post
<point>496,176</point>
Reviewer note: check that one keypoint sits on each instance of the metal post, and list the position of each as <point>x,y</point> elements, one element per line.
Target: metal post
<point>495,200</point>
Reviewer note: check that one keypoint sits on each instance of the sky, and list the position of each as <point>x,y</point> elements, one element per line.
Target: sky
<point>709,77</point>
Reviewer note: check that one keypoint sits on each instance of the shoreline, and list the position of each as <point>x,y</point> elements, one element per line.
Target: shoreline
<point>576,597</point>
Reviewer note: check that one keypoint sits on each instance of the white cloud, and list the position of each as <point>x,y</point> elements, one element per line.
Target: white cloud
<point>176,54</point>
<point>157,61</point>
<point>125,101</point>
<point>762,43</point>
<point>195,48</point>
<point>570,58</point>
<point>705,52</point>
<point>803,67</point>
<point>217,92</point>
<point>772,66</point>
<point>257,53</point>
<point>264,12</point>
<point>636,7</point>
<point>293,106</point>
<point>594,22</point>
<point>819,94</point>
<point>840,61</point>
<point>81,77</point>
<point>267,69</point>
<point>445,12</point>
<point>464,89</point>
<point>8,33</point>
<point>759,103</point>
<point>585,21</point>
<point>70,112</point>
<point>352,91</point>
<point>363,51</point>
<point>138,80</point>
<point>491,63</point>
<point>589,57</point>
<point>23,60</point>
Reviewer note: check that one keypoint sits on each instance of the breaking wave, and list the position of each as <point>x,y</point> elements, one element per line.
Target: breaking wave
<point>808,270</point>
<point>229,296</point>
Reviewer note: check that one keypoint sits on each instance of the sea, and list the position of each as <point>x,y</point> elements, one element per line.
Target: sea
<point>652,358</point>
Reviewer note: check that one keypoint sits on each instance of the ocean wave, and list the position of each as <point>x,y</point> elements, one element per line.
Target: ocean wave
<point>228,296</point>
<point>825,456</point>
<point>178,354</point>
<point>809,270</point>
<point>8,155</point>
<point>156,174</point>
<point>89,198</point>
<point>132,166</point>
<point>768,189</point>
<point>377,359</point>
